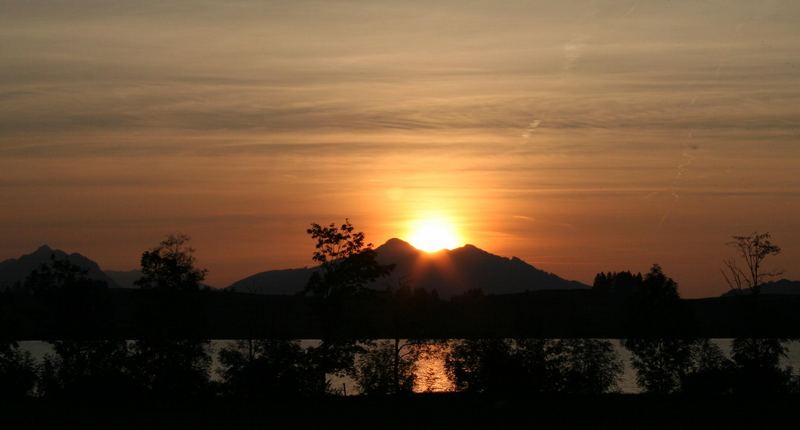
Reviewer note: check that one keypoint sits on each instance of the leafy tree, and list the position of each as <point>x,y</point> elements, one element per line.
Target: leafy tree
<point>578,366</point>
<point>171,360</point>
<point>586,366</point>
<point>656,293</point>
<point>76,305</point>
<point>386,368</point>
<point>651,303</point>
<point>483,365</point>
<point>711,371</point>
<point>758,352</point>
<point>347,264</point>
<point>170,266</point>
<point>752,250</point>
<point>54,277</point>
<point>17,372</point>
<point>539,365</point>
<point>671,365</point>
<point>171,369</point>
<point>333,356</point>
<point>620,284</point>
<point>87,369</point>
<point>266,368</point>
<point>655,309</point>
<point>661,363</point>
<point>81,309</point>
<point>758,369</point>
<point>663,354</point>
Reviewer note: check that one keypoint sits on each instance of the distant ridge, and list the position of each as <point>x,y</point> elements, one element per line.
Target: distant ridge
<point>449,272</point>
<point>16,270</point>
<point>780,287</point>
<point>284,281</point>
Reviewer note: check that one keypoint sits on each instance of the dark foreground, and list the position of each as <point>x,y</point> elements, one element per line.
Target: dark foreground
<point>432,411</point>
<point>136,314</point>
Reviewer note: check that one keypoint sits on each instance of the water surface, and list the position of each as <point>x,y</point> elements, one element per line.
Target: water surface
<point>431,375</point>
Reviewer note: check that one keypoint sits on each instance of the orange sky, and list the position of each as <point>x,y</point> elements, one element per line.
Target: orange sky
<point>581,137</point>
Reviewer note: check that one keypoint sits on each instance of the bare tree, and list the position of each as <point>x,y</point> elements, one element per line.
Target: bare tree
<point>752,250</point>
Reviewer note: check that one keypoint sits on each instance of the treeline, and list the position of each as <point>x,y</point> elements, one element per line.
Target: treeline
<point>179,370</point>
<point>58,301</point>
<point>86,309</point>
<point>170,359</point>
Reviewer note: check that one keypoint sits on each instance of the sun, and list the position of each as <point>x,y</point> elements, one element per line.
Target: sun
<point>433,234</point>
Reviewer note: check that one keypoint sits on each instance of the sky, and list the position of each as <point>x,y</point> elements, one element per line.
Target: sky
<point>580,136</point>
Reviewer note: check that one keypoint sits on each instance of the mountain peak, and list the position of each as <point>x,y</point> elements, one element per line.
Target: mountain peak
<point>43,249</point>
<point>470,249</point>
<point>17,269</point>
<point>399,245</point>
<point>396,244</point>
<point>448,271</point>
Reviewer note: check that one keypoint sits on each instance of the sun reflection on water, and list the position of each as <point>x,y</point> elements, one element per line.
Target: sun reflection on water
<point>431,374</point>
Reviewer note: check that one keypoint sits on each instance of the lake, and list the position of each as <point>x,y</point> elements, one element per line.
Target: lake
<point>431,375</point>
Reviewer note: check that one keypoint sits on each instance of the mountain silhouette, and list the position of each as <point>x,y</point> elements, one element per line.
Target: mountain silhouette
<point>780,287</point>
<point>449,272</point>
<point>16,270</point>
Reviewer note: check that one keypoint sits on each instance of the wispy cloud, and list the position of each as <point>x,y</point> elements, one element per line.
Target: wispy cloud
<point>169,112</point>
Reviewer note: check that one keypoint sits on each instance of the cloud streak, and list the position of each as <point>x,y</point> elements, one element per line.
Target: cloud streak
<point>219,115</point>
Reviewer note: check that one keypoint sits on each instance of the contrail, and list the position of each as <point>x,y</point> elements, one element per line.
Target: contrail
<point>573,50</point>
<point>686,160</point>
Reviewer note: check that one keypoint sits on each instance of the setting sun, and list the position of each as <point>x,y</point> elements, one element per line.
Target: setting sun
<point>433,234</point>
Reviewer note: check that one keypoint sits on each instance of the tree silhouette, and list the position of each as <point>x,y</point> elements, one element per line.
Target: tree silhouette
<point>654,309</point>
<point>410,310</point>
<point>710,370</point>
<point>483,366</point>
<point>171,266</point>
<point>758,369</point>
<point>655,303</point>
<point>663,352</point>
<point>171,369</point>
<point>54,277</point>
<point>588,366</point>
<point>752,250</point>
<point>577,366</point>
<point>17,372</point>
<point>75,305</point>
<point>80,310</point>
<point>171,359</point>
<point>662,364</point>
<point>621,284</point>
<point>95,369</point>
<point>386,367</point>
<point>347,265</point>
<point>265,368</point>
<point>757,360</point>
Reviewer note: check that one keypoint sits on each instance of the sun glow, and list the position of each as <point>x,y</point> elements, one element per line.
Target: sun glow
<point>433,234</point>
